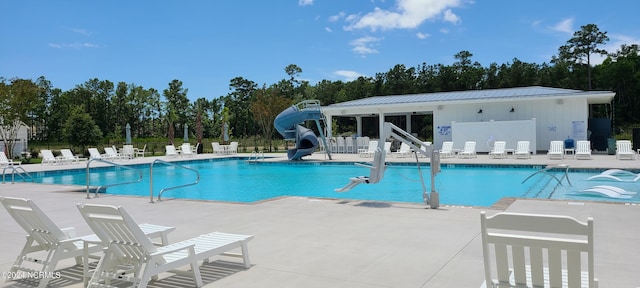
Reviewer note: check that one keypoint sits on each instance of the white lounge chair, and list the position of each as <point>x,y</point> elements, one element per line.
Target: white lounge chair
<point>4,161</point>
<point>583,150</point>
<point>217,149</point>
<point>616,175</point>
<point>186,150</point>
<point>624,150</point>
<point>608,191</point>
<point>447,150</point>
<point>340,144</point>
<point>233,148</point>
<point>140,152</point>
<point>95,154</point>
<point>112,154</point>
<point>469,150</point>
<point>370,151</point>
<point>128,152</point>
<point>70,157</point>
<point>46,244</point>
<point>499,150</point>
<point>49,158</point>
<point>522,150</point>
<point>556,150</point>
<point>349,145</point>
<point>376,172</point>
<point>170,151</point>
<point>404,151</point>
<point>545,251</point>
<point>130,252</point>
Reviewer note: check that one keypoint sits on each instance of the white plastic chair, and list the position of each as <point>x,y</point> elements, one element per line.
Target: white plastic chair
<point>556,150</point>
<point>131,252</point>
<point>624,150</point>
<point>583,150</point>
<point>499,150</point>
<point>469,150</point>
<point>522,150</point>
<point>170,151</point>
<point>545,251</point>
<point>447,149</point>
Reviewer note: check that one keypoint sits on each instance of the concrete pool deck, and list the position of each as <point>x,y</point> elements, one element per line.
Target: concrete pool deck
<point>303,242</point>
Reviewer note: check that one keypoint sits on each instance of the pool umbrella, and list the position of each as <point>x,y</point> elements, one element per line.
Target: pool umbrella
<point>128,134</point>
<point>186,133</point>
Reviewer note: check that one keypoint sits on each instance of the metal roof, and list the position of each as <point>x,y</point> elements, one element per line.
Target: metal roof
<point>520,93</point>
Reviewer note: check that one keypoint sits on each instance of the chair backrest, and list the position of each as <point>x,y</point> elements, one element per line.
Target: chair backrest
<point>115,227</point>
<point>94,153</point>
<point>447,147</point>
<point>404,147</point>
<point>186,148</point>
<point>67,154</point>
<point>373,145</point>
<point>377,171</point>
<point>34,221</point>
<point>499,146</point>
<point>469,146</point>
<point>387,147</point>
<point>522,146</point>
<point>557,147</point>
<point>623,146</point>
<point>547,245</point>
<point>216,146</point>
<point>110,151</point>
<point>127,149</point>
<point>47,154</point>
<point>583,147</point>
<point>170,149</point>
<point>233,146</point>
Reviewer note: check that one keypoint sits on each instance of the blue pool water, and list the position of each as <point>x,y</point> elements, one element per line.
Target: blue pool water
<point>235,180</point>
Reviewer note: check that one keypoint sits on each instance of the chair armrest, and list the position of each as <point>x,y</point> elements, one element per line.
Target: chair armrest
<point>163,250</point>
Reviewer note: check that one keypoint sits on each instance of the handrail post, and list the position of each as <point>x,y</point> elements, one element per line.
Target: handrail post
<point>151,182</point>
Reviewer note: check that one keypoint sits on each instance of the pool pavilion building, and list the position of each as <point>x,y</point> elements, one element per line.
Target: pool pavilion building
<point>537,114</point>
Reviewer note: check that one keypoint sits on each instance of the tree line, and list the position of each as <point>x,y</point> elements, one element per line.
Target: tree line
<point>98,110</point>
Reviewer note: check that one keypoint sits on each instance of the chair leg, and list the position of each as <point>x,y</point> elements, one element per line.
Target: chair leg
<point>245,254</point>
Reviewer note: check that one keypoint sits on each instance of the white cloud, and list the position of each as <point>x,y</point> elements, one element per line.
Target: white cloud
<point>347,75</point>
<point>305,2</point>
<point>365,45</point>
<point>81,31</point>
<point>444,31</point>
<point>564,26</point>
<point>451,18</point>
<point>421,35</point>
<point>406,14</point>
<point>614,44</point>
<point>328,29</point>
<point>75,45</point>
<point>337,17</point>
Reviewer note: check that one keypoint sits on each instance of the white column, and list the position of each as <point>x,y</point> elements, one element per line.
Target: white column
<point>359,125</point>
<point>408,122</point>
<point>381,124</point>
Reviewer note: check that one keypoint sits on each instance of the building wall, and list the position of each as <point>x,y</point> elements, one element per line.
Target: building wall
<point>21,142</point>
<point>556,120</point>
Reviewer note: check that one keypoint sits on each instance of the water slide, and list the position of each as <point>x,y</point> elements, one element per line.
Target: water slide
<point>287,123</point>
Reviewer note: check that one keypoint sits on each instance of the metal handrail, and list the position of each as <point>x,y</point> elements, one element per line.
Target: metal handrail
<point>255,156</point>
<point>546,172</point>
<point>13,173</point>
<point>170,188</point>
<point>110,185</point>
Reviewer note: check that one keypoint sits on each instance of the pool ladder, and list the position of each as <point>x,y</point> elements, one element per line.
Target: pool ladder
<point>170,188</point>
<point>16,170</point>
<point>110,185</point>
<point>546,172</point>
<point>255,156</point>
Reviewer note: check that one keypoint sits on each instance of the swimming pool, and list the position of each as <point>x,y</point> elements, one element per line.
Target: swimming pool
<point>235,180</point>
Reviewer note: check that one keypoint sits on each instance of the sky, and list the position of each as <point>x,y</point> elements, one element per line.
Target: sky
<point>206,43</point>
